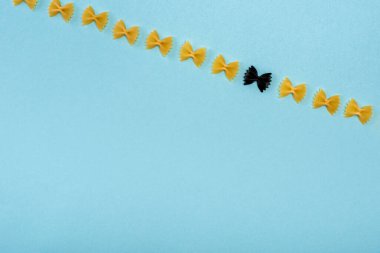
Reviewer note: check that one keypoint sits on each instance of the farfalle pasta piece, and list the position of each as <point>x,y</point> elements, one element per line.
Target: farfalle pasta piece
<point>332,103</point>
<point>131,34</point>
<point>66,11</point>
<point>287,88</point>
<point>252,76</point>
<point>164,45</point>
<point>230,69</point>
<point>187,52</point>
<point>100,19</point>
<point>363,113</point>
<point>30,3</point>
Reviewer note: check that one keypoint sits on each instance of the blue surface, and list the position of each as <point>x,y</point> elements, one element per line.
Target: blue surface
<point>106,147</point>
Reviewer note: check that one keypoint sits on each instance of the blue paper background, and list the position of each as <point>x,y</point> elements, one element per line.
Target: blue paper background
<point>106,147</point>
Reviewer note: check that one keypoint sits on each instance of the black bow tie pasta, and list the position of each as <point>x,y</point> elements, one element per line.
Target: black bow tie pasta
<point>263,81</point>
